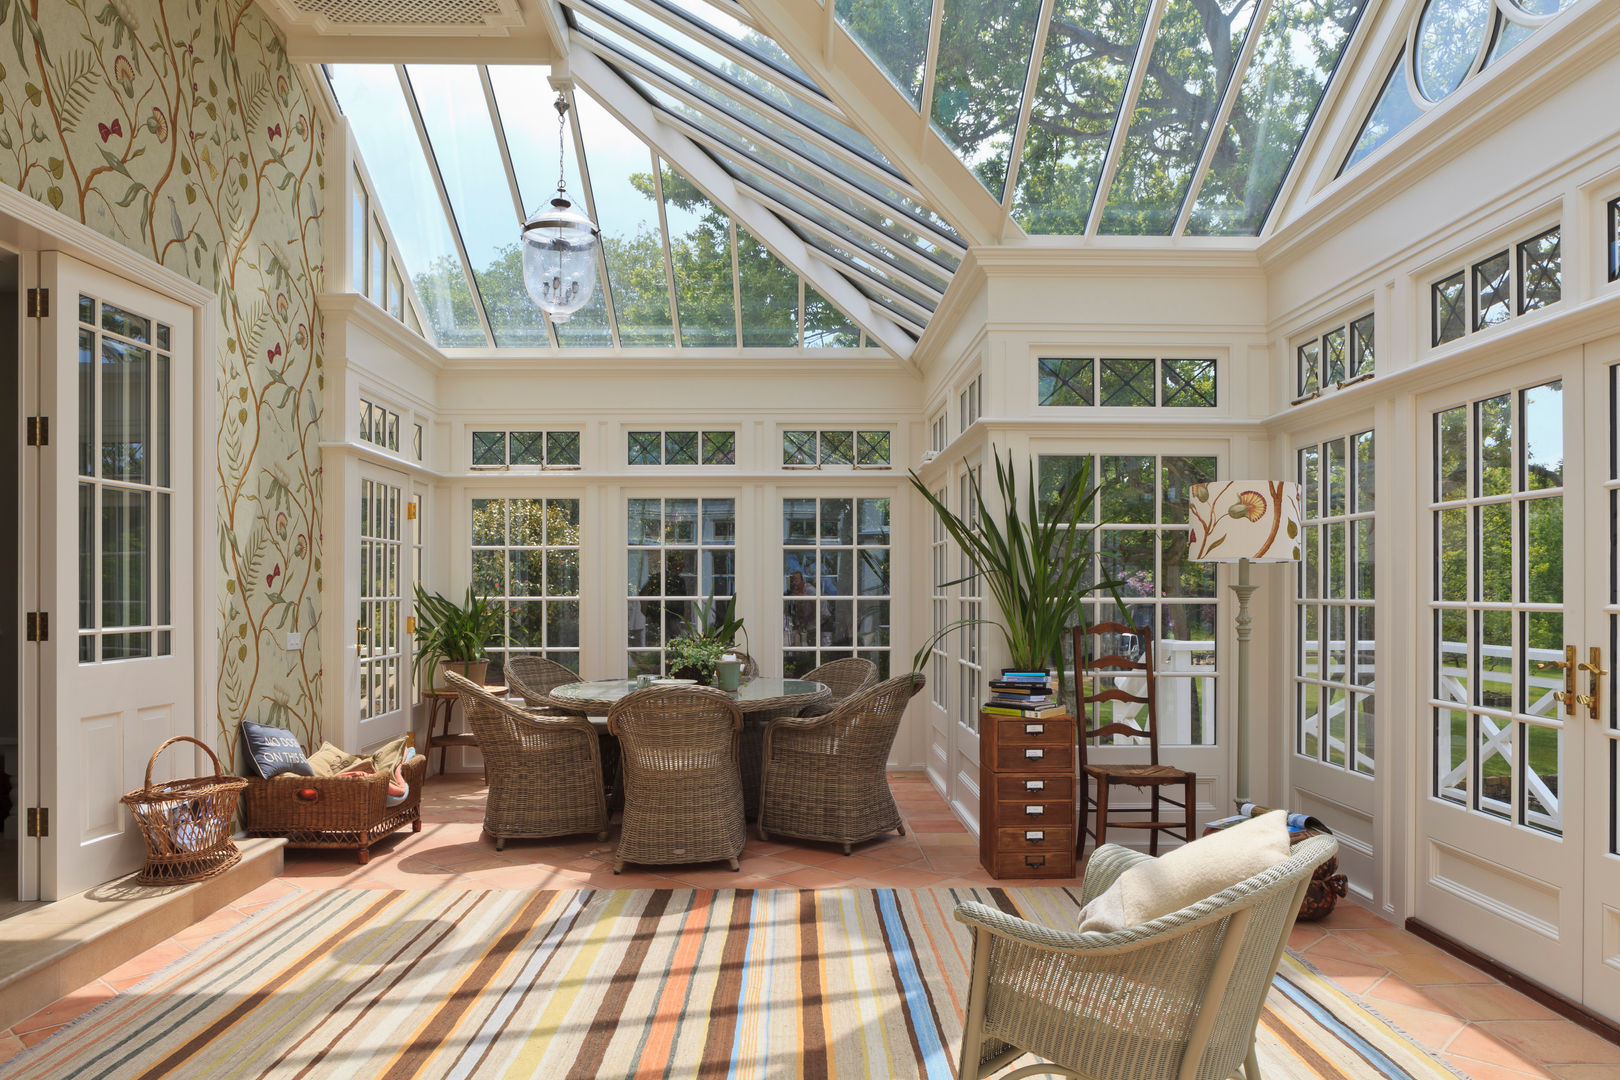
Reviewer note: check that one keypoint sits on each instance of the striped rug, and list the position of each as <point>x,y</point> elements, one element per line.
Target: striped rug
<point>502,984</point>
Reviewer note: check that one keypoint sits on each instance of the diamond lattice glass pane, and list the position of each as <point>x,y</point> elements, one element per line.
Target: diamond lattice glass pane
<point>1298,51</point>
<point>1084,71</point>
<point>1450,309</point>
<point>1335,344</point>
<point>1390,115</point>
<point>719,448</point>
<point>770,296</point>
<point>646,447</point>
<point>871,448</point>
<point>371,99</point>
<point>1449,36</point>
<point>1127,382</point>
<point>700,250</point>
<point>562,448</point>
<point>489,448</point>
<point>1540,271</point>
<point>837,447</point>
<point>1362,358</point>
<point>894,35</point>
<point>1189,383</point>
<point>528,447</point>
<point>798,447</point>
<point>1309,359</point>
<point>1614,240</point>
<point>1493,301</point>
<point>1064,381</point>
<point>632,239</point>
<point>979,76</point>
<point>1198,45</point>
<point>680,448</point>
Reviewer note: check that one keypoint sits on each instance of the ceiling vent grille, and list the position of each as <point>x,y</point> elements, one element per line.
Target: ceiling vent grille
<point>384,15</point>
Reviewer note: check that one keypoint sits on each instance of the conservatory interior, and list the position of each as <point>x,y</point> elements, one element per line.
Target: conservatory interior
<point>288,357</point>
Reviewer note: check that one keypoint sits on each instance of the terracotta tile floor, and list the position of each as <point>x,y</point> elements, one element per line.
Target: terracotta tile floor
<point>1477,1025</point>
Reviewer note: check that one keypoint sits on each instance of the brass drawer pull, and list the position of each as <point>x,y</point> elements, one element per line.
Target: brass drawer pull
<point>1035,861</point>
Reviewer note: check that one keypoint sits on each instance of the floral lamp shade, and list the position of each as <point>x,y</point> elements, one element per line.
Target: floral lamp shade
<point>1245,519</point>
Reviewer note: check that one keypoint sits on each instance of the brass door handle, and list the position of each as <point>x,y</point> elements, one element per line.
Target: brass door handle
<point>1567,696</point>
<point>1596,671</point>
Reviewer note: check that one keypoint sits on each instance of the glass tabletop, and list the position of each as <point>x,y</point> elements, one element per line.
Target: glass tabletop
<point>751,691</point>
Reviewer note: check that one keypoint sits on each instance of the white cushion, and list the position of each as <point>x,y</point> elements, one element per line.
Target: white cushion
<point>1190,873</point>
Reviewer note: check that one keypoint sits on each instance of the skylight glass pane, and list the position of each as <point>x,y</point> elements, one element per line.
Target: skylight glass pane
<point>1449,36</point>
<point>979,75</point>
<point>1296,55</point>
<point>1509,36</point>
<point>1191,63</point>
<point>1394,110</point>
<point>770,296</point>
<point>621,180</point>
<point>742,35</point>
<point>1089,48</point>
<point>894,34</point>
<point>456,116</point>
<point>700,246</point>
<point>370,96</point>
<point>825,327</point>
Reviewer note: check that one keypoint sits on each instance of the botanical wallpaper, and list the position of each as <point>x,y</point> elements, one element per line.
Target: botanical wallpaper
<point>179,129</point>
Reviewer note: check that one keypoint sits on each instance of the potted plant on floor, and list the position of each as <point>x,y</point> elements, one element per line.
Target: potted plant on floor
<point>1034,555</point>
<point>710,634</point>
<point>452,636</point>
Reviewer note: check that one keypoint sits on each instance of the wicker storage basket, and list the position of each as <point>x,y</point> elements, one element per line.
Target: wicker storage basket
<point>348,812</point>
<point>186,824</point>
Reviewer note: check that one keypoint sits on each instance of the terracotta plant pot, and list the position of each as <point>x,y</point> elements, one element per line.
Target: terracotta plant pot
<point>473,670</point>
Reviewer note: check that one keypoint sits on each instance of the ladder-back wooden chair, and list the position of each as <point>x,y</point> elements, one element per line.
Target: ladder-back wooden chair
<point>1100,665</point>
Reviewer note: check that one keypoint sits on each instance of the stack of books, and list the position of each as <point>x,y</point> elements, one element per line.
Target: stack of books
<point>1022,694</point>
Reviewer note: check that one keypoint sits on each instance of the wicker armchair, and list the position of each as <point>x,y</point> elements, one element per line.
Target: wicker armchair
<point>683,800</point>
<point>1174,999</point>
<point>535,678</point>
<point>825,777</point>
<point>845,678</point>
<point>545,772</point>
<point>750,666</point>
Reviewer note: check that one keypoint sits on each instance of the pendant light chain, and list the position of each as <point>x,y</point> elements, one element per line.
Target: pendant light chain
<point>562,124</point>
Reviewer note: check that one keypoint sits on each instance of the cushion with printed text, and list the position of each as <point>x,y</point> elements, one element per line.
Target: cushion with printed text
<point>273,751</point>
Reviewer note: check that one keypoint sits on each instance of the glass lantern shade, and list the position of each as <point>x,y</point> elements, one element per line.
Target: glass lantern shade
<point>559,259</point>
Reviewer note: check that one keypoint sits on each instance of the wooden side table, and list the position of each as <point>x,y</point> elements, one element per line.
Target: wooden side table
<point>442,704</point>
<point>1026,796</point>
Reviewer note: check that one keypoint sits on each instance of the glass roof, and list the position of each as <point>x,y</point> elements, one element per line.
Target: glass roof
<point>457,152</point>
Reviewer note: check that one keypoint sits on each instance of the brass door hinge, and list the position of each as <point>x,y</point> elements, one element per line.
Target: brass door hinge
<point>39,303</point>
<point>410,511</point>
<point>39,821</point>
<point>39,626</point>
<point>39,431</point>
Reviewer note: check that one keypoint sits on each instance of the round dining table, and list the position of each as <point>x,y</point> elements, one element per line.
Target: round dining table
<point>761,700</point>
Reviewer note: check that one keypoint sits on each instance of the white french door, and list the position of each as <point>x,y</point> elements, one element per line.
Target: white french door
<point>116,671</point>
<point>1517,851</point>
<point>383,653</point>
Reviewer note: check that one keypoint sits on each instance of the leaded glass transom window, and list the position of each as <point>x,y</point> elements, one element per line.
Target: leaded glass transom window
<point>1334,358</point>
<point>379,425</point>
<point>543,449</point>
<point>1334,672</point>
<point>815,449</point>
<point>1125,382</point>
<point>680,551</point>
<point>835,582</point>
<point>1516,281</point>
<point>682,447</point>
<point>1144,547</point>
<point>1614,240</point>
<point>525,553</point>
<point>967,403</point>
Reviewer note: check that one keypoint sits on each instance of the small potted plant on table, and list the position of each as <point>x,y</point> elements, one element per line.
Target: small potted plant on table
<point>711,633</point>
<point>452,636</point>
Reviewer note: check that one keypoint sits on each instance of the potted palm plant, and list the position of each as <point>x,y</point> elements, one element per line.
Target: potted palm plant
<point>452,636</point>
<point>1036,561</point>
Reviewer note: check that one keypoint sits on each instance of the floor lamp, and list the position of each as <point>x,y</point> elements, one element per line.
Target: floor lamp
<point>1244,521</point>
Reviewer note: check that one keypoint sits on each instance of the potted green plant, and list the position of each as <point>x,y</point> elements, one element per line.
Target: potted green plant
<point>1036,562</point>
<point>711,632</point>
<point>452,636</point>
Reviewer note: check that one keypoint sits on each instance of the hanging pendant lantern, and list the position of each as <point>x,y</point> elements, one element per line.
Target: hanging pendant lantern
<point>559,247</point>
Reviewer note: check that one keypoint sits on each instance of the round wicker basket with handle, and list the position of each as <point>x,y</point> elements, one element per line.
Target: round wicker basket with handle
<point>186,824</point>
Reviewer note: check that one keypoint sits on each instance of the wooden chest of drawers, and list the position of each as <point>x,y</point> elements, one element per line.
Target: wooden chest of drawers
<point>1027,785</point>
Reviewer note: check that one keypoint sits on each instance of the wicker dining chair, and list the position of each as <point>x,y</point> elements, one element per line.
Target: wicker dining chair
<point>683,799</point>
<point>845,678</point>
<point>826,777</point>
<point>750,666</point>
<point>1177,998</point>
<point>544,772</point>
<point>535,677</point>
